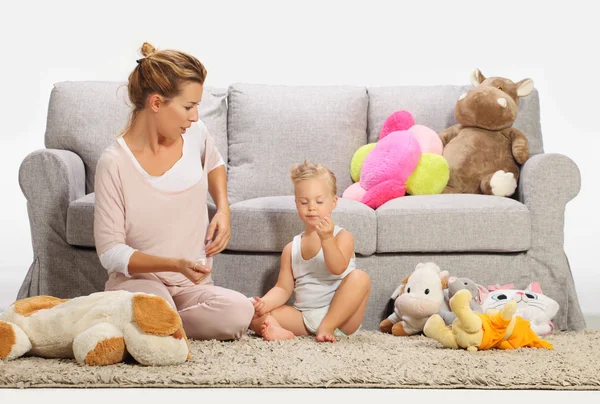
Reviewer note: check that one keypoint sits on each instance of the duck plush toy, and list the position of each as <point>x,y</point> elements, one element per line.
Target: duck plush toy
<point>98,329</point>
<point>473,331</point>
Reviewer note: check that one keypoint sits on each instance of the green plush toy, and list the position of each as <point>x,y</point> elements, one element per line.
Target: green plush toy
<point>358,159</point>
<point>430,176</point>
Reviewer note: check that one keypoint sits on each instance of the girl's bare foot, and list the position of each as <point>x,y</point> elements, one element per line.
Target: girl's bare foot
<point>272,331</point>
<point>325,335</point>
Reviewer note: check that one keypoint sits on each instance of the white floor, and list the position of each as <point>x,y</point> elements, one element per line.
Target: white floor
<point>288,396</point>
<point>9,284</point>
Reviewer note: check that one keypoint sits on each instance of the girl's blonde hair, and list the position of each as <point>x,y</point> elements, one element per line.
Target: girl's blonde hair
<point>161,72</point>
<point>307,170</point>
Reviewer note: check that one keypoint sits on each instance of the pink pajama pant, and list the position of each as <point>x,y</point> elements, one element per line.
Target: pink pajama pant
<point>207,311</point>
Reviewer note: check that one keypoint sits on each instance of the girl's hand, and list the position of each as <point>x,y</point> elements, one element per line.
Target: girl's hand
<point>325,229</point>
<point>221,225</point>
<point>194,271</point>
<point>260,307</point>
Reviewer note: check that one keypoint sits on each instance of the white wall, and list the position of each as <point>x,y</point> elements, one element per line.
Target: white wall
<point>417,42</point>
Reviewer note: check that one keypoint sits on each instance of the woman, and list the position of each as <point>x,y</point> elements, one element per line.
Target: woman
<point>151,225</point>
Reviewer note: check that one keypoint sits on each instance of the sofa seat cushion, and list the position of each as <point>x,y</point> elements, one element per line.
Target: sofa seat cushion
<point>453,223</point>
<point>257,225</point>
<point>267,224</point>
<point>80,221</point>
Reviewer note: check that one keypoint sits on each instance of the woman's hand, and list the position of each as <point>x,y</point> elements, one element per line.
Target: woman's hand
<point>221,225</point>
<point>194,271</point>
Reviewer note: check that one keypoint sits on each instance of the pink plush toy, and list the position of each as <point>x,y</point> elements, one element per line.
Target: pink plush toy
<point>388,166</point>
<point>355,192</point>
<point>399,120</point>
<point>428,139</point>
<point>394,160</point>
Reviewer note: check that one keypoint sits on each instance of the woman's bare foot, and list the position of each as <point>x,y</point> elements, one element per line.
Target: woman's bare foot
<point>324,335</point>
<point>272,331</point>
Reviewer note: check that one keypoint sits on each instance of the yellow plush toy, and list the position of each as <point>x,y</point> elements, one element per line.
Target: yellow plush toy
<point>474,331</point>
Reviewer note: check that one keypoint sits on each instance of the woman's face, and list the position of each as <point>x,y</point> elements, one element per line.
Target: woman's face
<point>175,116</point>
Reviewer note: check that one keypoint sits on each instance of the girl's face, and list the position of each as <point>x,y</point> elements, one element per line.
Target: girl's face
<point>175,116</point>
<point>314,200</point>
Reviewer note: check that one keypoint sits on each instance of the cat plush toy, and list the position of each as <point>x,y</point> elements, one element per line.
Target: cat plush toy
<point>532,305</point>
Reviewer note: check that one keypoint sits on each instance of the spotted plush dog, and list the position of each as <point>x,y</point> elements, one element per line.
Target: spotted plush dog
<point>99,329</point>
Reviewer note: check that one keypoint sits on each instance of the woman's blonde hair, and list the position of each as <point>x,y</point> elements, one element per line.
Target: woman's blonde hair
<point>307,170</point>
<point>162,72</point>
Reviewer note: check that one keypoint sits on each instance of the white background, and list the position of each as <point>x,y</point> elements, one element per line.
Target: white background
<point>308,42</point>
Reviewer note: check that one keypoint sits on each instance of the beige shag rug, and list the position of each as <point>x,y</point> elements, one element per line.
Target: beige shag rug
<point>369,359</point>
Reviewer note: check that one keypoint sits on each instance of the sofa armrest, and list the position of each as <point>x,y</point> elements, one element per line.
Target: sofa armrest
<point>50,180</point>
<point>546,184</point>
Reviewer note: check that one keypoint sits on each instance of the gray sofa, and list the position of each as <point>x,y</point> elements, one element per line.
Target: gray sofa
<point>261,131</point>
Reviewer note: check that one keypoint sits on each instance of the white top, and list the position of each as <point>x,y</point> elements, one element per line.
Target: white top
<point>314,285</point>
<point>185,172</point>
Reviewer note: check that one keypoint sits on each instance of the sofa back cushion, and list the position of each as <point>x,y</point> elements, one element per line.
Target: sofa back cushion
<point>433,106</point>
<point>85,117</point>
<point>273,127</point>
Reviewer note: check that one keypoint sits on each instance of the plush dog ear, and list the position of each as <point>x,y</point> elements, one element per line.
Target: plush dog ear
<point>31,305</point>
<point>154,315</point>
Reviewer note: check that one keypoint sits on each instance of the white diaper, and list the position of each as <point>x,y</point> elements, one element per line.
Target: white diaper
<point>312,320</point>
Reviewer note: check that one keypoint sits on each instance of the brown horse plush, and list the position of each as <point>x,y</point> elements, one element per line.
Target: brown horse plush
<point>484,152</point>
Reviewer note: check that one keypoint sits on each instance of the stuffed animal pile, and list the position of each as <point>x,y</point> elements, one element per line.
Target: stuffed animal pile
<point>423,303</point>
<point>482,154</point>
<point>473,331</point>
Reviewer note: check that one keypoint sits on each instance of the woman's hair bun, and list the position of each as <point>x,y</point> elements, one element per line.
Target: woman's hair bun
<point>147,49</point>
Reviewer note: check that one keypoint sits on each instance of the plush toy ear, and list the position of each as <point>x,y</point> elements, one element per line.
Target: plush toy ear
<point>476,77</point>
<point>31,305</point>
<point>483,293</point>
<point>154,315</point>
<point>398,290</point>
<point>444,275</point>
<point>525,87</point>
<point>535,288</point>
